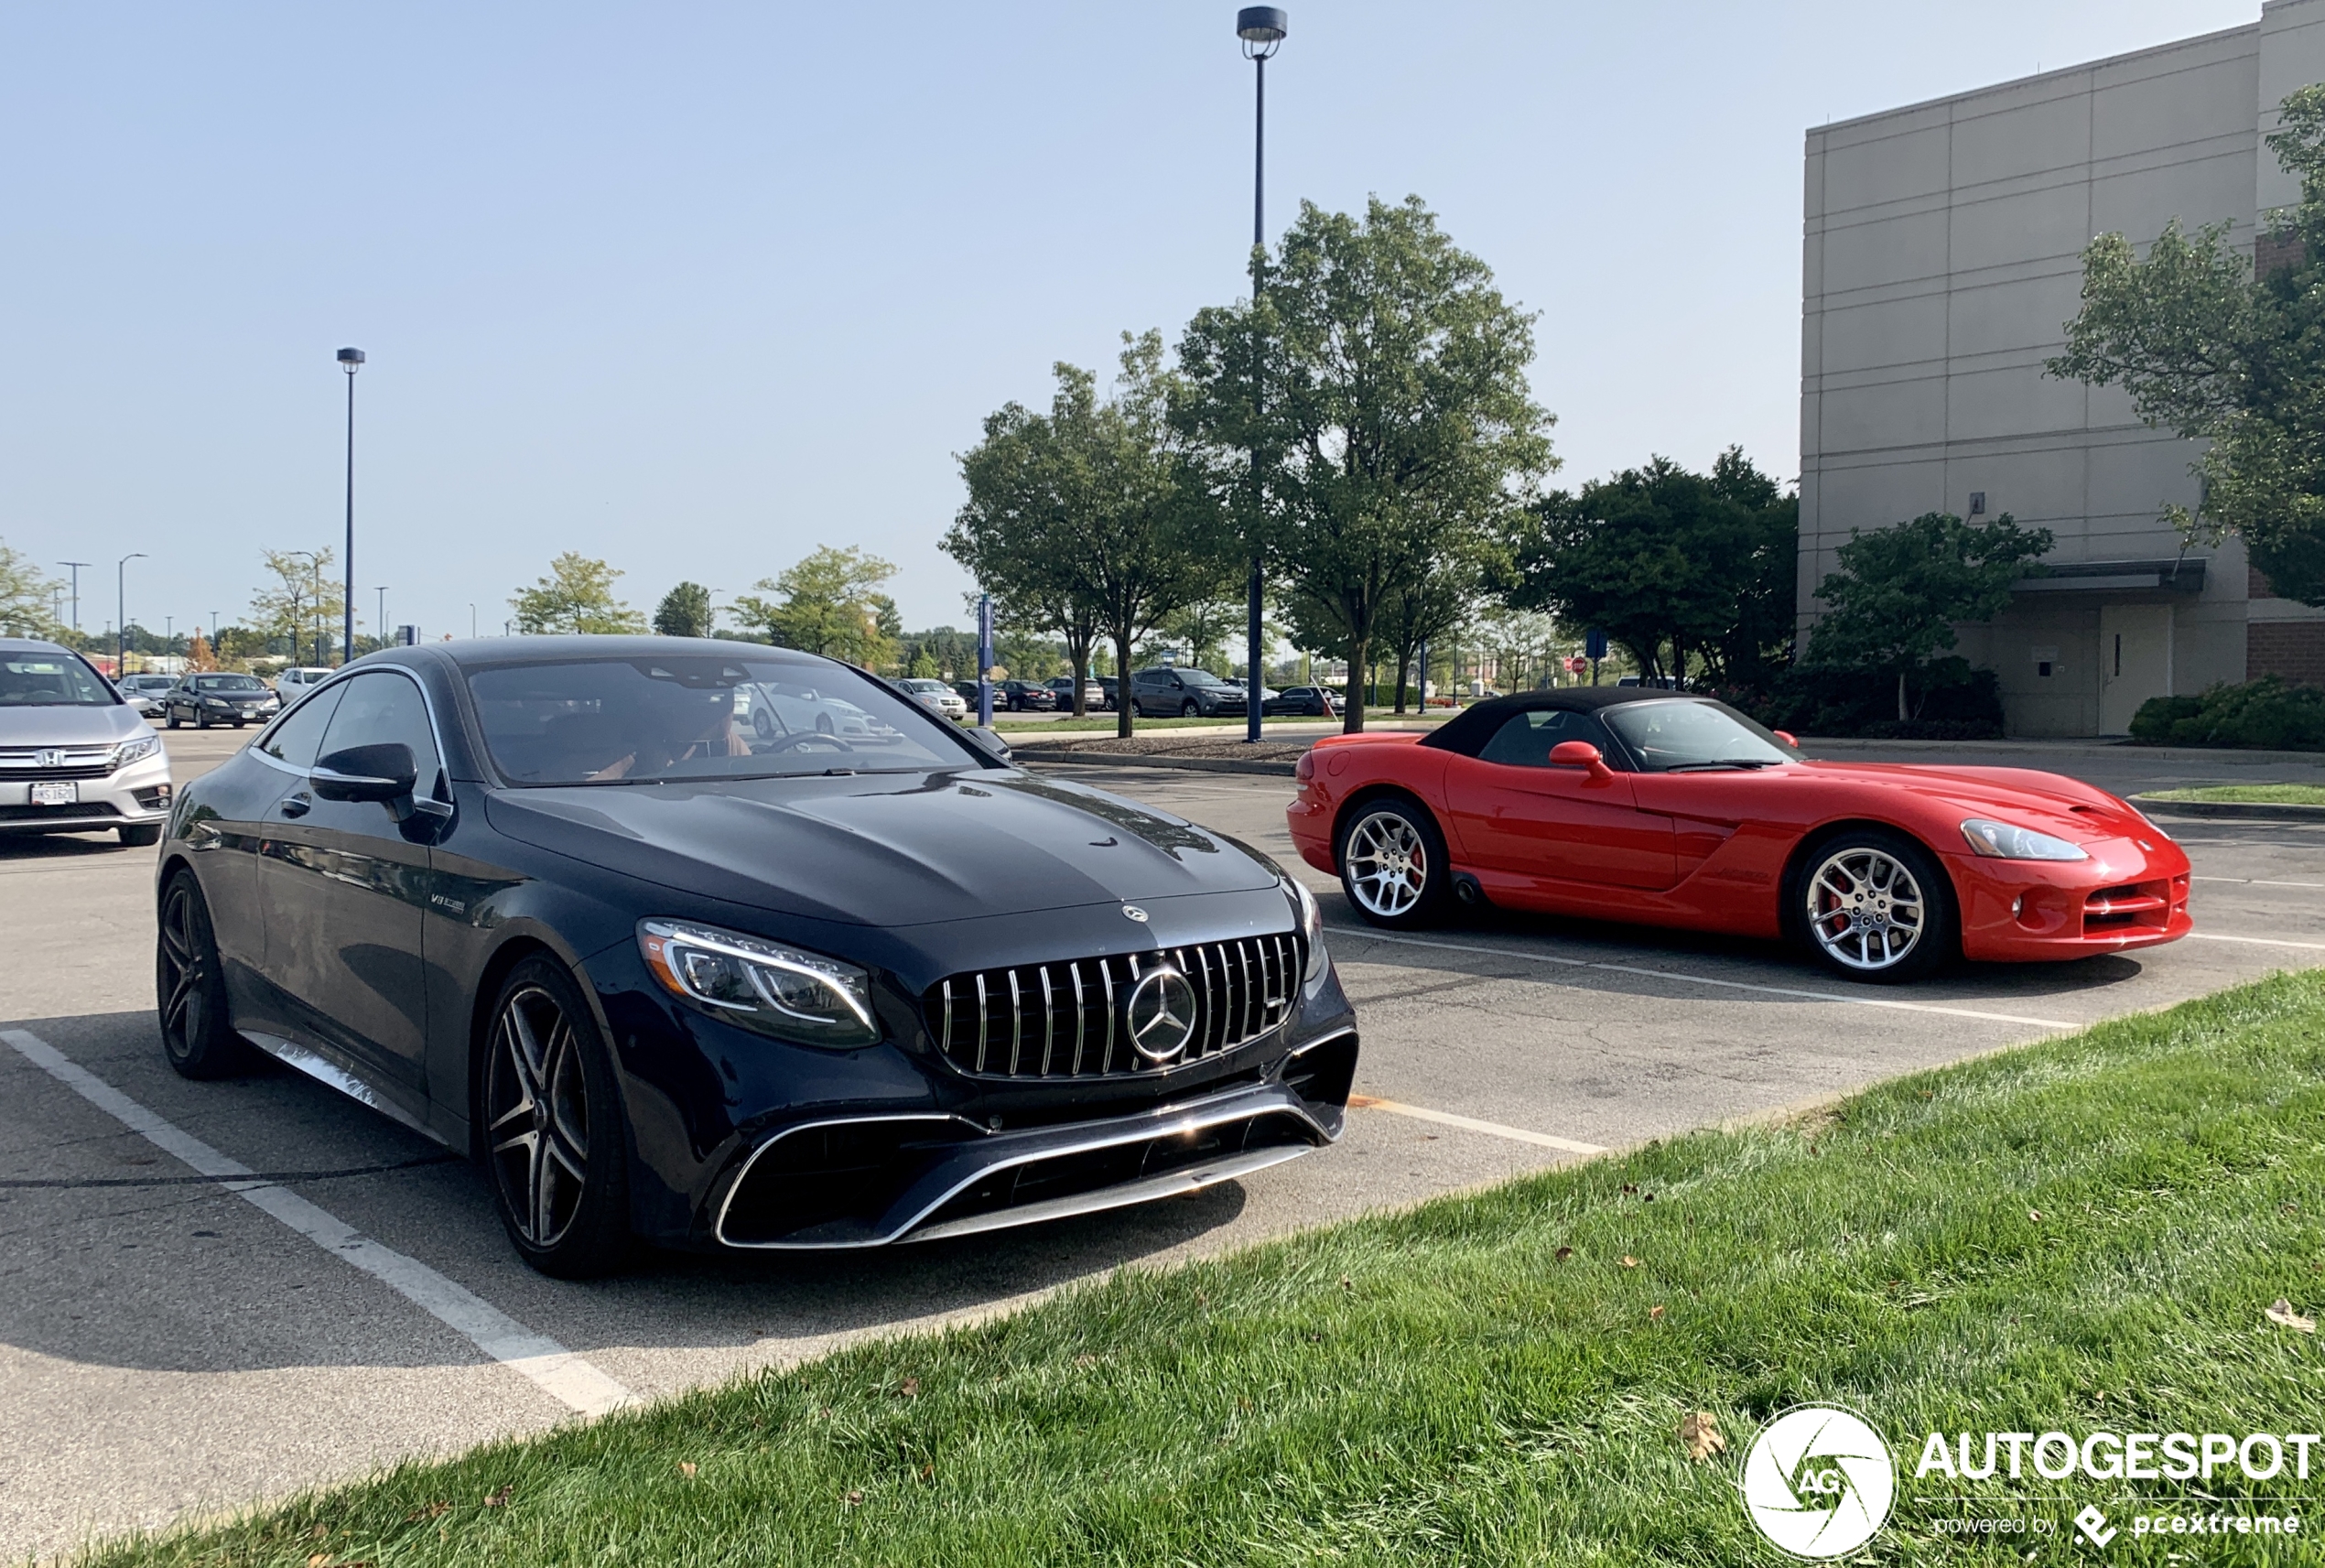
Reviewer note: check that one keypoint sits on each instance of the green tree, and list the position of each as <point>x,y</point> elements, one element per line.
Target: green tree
<point>685,612</point>
<point>577,596</point>
<point>27,596</point>
<point>1091,519</point>
<point>829,602</point>
<point>1379,378</point>
<point>303,605</point>
<point>1900,591</point>
<point>1689,572</point>
<point>2222,352</point>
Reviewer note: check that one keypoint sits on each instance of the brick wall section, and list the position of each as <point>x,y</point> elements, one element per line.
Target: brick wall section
<point>2256,586</point>
<point>2292,650</point>
<point>2277,252</point>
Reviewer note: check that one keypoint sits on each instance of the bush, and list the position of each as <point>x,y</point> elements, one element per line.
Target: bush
<point>2268,713</point>
<point>1951,701</point>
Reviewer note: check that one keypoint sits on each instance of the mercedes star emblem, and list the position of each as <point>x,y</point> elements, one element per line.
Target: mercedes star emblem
<point>1159,1014</point>
<point>1132,911</point>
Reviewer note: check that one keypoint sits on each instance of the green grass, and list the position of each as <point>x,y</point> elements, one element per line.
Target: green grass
<point>2269,794</point>
<point>2080,1234</point>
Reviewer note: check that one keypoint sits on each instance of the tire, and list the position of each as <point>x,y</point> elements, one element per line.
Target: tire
<point>170,718</point>
<point>140,835</point>
<point>554,1134</point>
<point>201,720</point>
<point>190,989</point>
<point>1190,709</point>
<point>1392,864</point>
<point>1873,906</point>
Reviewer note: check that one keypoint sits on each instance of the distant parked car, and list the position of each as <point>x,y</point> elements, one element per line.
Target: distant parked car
<point>74,758</point>
<point>1314,701</point>
<point>1111,689</point>
<point>937,695</point>
<point>1093,694</point>
<point>1025,697</point>
<point>967,691</point>
<point>1188,694</point>
<point>209,699</point>
<point>144,693</point>
<point>299,678</point>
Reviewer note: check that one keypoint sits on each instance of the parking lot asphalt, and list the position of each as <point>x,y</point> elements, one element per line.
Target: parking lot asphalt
<point>171,1346</point>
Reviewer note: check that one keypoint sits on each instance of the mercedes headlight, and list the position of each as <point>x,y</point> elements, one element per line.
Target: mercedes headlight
<point>137,749</point>
<point>784,991</point>
<point>1311,928</point>
<point>2001,841</point>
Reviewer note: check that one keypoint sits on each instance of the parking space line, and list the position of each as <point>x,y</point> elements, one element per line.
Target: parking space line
<point>1471,1124</point>
<point>2258,882</point>
<point>1883,1002</point>
<point>2254,941</point>
<point>550,1366</point>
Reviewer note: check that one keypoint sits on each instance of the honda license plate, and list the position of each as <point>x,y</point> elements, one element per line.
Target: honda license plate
<point>55,794</point>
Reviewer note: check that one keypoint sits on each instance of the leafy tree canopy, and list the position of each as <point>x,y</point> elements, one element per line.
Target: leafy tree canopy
<point>1899,590</point>
<point>303,604</point>
<point>2207,348</point>
<point>1671,564</point>
<point>685,612</point>
<point>27,596</point>
<point>1380,379</point>
<point>577,596</point>
<point>829,602</point>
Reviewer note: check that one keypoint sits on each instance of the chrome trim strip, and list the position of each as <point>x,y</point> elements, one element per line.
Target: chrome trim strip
<point>346,672</point>
<point>1016,1024</point>
<point>1176,1183</point>
<point>324,1070</point>
<point>1049,1021</point>
<point>1079,1020</point>
<point>718,1225</point>
<point>981,1010</point>
<point>945,1042</point>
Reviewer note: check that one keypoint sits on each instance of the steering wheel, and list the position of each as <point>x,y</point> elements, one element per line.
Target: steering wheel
<point>807,738</point>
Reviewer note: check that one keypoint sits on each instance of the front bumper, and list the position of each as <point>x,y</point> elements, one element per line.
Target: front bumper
<point>2125,896</point>
<point>130,797</point>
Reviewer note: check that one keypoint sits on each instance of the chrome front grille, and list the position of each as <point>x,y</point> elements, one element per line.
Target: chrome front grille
<point>1064,1020</point>
<point>42,762</point>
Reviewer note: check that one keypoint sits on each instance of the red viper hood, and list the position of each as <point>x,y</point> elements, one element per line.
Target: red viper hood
<point>2049,802</point>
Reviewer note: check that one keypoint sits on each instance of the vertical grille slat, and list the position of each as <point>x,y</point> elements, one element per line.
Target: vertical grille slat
<point>1244,988</point>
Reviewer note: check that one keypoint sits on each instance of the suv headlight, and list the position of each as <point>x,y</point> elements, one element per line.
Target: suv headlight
<point>137,749</point>
<point>2001,841</point>
<point>776,990</point>
<point>1310,926</point>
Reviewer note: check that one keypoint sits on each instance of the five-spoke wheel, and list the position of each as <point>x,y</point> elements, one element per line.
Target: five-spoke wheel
<point>1392,863</point>
<point>552,1128</point>
<point>190,989</point>
<point>1874,906</point>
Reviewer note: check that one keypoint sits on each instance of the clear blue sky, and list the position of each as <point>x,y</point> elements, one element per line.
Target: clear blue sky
<point>697,288</point>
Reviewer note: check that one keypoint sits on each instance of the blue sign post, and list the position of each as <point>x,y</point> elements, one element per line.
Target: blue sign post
<point>985,659</point>
<point>1595,647</point>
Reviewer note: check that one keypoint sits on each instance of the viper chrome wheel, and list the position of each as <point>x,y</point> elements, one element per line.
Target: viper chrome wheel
<point>1866,909</point>
<point>1387,864</point>
<point>538,1099</point>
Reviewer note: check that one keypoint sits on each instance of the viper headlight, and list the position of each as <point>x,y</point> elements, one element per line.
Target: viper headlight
<point>1311,928</point>
<point>2001,841</point>
<point>784,991</point>
<point>137,749</point>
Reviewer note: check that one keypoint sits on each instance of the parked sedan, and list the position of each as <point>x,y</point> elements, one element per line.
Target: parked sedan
<point>144,693</point>
<point>74,757</point>
<point>938,696</point>
<point>1025,697</point>
<point>1664,809</point>
<point>1316,701</point>
<point>222,698</point>
<point>554,901</point>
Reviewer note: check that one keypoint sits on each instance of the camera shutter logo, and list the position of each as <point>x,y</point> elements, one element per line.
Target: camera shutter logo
<point>1819,1481</point>
<point>1159,1014</point>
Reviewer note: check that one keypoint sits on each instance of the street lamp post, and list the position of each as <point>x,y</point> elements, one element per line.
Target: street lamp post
<point>76,567</point>
<point>381,627</point>
<point>1261,28</point>
<point>350,361</point>
<point>121,612</point>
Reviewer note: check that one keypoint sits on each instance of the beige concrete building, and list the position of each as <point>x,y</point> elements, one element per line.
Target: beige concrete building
<point>1942,259</point>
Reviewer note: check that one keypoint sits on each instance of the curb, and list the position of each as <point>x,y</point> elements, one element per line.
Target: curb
<point>2232,756</point>
<point>1148,760</point>
<point>2250,810</point>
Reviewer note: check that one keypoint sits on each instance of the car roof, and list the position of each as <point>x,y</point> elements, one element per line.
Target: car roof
<point>472,653</point>
<point>1467,731</point>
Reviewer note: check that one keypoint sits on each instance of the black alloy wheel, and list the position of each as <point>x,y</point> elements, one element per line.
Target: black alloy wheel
<point>553,1126</point>
<point>190,989</point>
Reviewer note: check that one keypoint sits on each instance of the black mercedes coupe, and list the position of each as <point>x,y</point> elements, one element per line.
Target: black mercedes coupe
<point>712,945</point>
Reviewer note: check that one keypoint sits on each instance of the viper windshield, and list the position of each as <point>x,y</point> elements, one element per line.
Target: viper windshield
<point>1686,736</point>
<point>652,720</point>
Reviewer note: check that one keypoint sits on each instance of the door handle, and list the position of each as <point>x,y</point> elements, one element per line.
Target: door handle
<point>298,805</point>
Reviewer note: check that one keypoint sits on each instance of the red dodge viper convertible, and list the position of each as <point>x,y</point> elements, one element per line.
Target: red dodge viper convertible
<point>1667,809</point>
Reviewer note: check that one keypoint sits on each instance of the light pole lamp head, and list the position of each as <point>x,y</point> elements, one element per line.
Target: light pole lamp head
<point>1261,28</point>
<point>351,360</point>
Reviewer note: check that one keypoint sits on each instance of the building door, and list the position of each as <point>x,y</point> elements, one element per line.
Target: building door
<point>2135,661</point>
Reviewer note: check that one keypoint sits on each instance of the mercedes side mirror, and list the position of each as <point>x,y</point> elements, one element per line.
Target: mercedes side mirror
<point>384,773</point>
<point>1581,755</point>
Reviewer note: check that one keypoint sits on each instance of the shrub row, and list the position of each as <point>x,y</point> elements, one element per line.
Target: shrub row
<point>2268,714</point>
<point>1949,701</point>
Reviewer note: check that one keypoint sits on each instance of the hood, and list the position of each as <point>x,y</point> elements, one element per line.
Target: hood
<point>63,726</point>
<point>2049,802</point>
<point>887,850</point>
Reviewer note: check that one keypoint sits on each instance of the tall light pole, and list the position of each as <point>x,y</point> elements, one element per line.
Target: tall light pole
<point>382,620</point>
<point>76,567</point>
<point>121,610</point>
<point>1261,28</point>
<point>350,361</point>
<point>472,620</point>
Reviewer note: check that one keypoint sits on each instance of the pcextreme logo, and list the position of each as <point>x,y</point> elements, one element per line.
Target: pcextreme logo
<point>1818,1481</point>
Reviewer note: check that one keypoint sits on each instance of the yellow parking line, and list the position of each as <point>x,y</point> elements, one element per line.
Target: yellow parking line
<point>1471,1124</point>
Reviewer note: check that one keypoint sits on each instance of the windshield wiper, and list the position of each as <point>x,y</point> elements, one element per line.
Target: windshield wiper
<point>1723,762</point>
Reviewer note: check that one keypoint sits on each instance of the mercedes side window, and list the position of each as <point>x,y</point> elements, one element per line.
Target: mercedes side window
<point>380,707</point>
<point>1525,739</point>
<point>296,738</point>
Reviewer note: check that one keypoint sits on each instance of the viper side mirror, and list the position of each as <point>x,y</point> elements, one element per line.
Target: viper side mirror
<point>1786,736</point>
<point>1581,755</point>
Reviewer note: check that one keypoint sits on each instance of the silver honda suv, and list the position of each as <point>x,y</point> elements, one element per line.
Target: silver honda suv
<point>74,757</point>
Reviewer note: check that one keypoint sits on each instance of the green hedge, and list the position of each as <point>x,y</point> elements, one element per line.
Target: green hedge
<point>2268,713</point>
<point>1951,701</point>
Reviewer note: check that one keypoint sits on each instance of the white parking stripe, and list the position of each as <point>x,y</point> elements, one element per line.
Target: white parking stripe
<point>556,1371</point>
<point>1339,932</point>
<point>2257,882</point>
<point>2254,941</point>
<point>1471,1124</point>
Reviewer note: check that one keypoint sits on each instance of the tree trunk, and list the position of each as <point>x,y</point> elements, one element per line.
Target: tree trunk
<point>1122,681</point>
<point>1903,712</point>
<point>1079,655</point>
<point>1404,664</point>
<point>1352,717</point>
